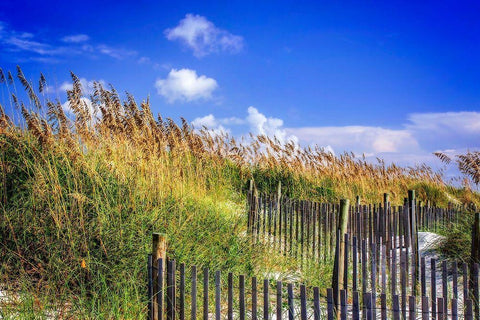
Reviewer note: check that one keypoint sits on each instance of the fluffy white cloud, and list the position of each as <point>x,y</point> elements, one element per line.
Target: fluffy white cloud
<point>255,122</point>
<point>207,121</point>
<point>359,139</point>
<point>211,123</point>
<point>76,38</point>
<point>185,85</point>
<point>203,37</point>
<point>271,127</point>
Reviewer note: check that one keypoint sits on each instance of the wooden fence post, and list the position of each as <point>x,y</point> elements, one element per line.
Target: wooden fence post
<point>159,250</point>
<point>150,287</point>
<point>338,267</point>
<point>316,304</point>
<point>279,300</point>
<point>414,235</point>
<point>475,250</point>
<point>218,293</point>
<point>474,260</point>
<point>254,298</point>
<point>171,290</point>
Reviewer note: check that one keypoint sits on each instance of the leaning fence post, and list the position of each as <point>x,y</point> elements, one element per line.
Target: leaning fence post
<point>159,251</point>
<point>338,267</point>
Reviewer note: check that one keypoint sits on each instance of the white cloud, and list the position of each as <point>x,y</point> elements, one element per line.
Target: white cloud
<point>185,85</point>
<point>254,122</point>
<point>24,42</point>
<point>423,134</point>
<point>203,37</point>
<point>76,38</point>
<point>233,121</point>
<point>410,145</point>
<point>271,127</point>
<point>359,139</point>
<point>207,121</point>
<point>463,121</point>
<point>211,123</point>
<point>446,130</point>
<point>47,51</point>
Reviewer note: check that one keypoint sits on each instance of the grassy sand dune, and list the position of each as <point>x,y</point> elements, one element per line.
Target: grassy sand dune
<point>82,191</point>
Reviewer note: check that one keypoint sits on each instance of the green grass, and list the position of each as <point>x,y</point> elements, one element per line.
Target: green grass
<point>457,242</point>
<point>79,203</point>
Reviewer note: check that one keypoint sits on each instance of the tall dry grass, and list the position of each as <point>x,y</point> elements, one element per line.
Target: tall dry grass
<point>83,187</point>
<point>108,123</point>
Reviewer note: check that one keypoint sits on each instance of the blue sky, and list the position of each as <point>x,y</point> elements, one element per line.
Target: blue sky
<point>396,79</point>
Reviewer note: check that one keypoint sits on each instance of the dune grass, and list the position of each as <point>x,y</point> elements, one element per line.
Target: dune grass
<point>82,192</point>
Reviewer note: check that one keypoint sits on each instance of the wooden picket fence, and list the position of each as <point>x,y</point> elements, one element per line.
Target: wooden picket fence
<point>383,274</point>
<point>187,295</point>
<point>308,229</point>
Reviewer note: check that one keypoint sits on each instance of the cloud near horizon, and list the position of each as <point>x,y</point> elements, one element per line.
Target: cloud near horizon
<point>445,130</point>
<point>423,132</point>
<point>254,122</point>
<point>413,143</point>
<point>203,37</point>
<point>358,139</point>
